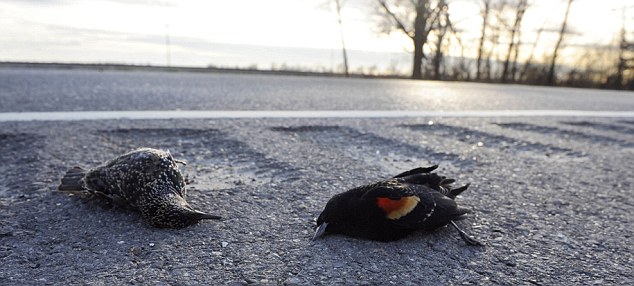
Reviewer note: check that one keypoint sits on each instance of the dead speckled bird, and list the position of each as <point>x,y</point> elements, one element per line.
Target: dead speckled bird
<point>147,180</point>
<point>391,209</point>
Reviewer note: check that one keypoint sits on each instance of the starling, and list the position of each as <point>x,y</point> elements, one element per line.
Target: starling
<point>147,180</point>
<point>390,210</point>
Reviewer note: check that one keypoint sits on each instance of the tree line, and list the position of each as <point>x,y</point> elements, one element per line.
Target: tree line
<point>501,56</point>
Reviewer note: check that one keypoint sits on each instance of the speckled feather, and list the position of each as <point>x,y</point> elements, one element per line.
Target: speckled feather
<point>357,212</point>
<point>148,180</point>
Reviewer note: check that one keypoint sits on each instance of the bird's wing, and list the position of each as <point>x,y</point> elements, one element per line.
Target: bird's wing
<point>167,165</point>
<point>393,197</point>
<point>419,170</point>
<point>434,209</point>
<point>436,182</point>
<point>99,182</point>
<point>432,180</point>
<point>414,206</point>
<point>392,188</point>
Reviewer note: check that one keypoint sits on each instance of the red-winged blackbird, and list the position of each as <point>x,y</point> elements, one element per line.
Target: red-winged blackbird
<point>147,180</point>
<point>391,209</point>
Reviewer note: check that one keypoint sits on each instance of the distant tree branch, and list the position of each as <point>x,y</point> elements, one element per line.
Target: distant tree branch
<point>399,24</point>
<point>553,62</point>
<point>435,15</point>
<point>454,31</point>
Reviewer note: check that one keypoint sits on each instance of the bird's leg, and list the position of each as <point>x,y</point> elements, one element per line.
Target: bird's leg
<point>468,239</point>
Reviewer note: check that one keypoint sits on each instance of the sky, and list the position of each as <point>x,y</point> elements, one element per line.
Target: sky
<point>255,33</point>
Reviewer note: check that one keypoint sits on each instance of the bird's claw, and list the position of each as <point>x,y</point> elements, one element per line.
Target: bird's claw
<point>470,240</point>
<point>467,239</point>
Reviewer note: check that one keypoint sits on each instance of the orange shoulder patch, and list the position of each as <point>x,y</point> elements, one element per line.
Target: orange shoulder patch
<point>395,209</point>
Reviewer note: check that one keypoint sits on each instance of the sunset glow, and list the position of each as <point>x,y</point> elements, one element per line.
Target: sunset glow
<point>243,33</point>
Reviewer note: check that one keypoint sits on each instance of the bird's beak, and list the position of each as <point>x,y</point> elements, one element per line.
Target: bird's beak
<point>320,230</point>
<point>198,215</point>
<point>201,215</point>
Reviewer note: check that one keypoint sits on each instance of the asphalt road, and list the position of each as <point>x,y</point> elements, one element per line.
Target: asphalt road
<point>550,197</point>
<point>91,90</point>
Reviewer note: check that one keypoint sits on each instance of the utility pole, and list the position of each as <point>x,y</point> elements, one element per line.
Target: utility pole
<point>343,43</point>
<point>168,52</point>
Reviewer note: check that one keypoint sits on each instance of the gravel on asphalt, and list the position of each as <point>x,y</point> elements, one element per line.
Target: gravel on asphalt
<point>550,197</point>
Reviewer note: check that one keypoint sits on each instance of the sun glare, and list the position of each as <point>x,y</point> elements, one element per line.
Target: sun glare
<point>118,31</point>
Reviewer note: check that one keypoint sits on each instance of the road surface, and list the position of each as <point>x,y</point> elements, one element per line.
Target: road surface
<point>551,196</point>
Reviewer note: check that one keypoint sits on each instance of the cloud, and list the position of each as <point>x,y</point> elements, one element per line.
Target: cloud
<point>164,3</point>
<point>154,3</point>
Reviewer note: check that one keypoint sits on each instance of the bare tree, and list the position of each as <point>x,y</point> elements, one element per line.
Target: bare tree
<point>494,41</point>
<point>521,7</point>
<point>529,60</point>
<point>625,59</point>
<point>414,18</point>
<point>441,27</point>
<point>460,71</point>
<point>553,61</point>
<point>485,22</point>
<point>496,29</point>
<point>617,80</point>
<point>625,63</point>
<point>516,53</point>
<point>591,67</point>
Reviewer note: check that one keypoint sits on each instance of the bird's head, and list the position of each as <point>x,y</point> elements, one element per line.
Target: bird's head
<point>173,212</point>
<point>333,215</point>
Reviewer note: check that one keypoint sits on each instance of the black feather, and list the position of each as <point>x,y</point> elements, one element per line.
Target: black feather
<point>389,210</point>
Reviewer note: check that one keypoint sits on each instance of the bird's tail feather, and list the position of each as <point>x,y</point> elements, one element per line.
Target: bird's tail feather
<point>453,193</point>
<point>419,170</point>
<point>71,182</point>
<point>423,176</point>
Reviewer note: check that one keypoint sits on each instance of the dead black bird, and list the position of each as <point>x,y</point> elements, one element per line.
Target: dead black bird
<point>391,209</point>
<point>147,180</point>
